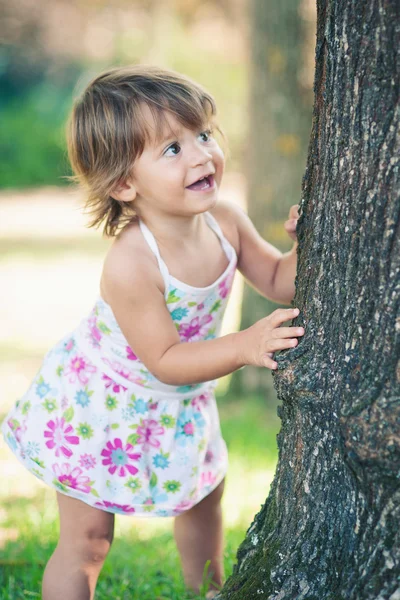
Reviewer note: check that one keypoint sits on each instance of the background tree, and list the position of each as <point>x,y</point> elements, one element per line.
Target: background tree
<point>330,528</point>
<point>280,106</point>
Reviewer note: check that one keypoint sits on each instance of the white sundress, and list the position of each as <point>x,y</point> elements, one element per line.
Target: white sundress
<point>96,425</point>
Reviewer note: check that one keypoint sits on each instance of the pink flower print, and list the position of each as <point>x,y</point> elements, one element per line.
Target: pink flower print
<point>116,387</point>
<point>120,508</point>
<point>195,330</point>
<point>78,369</point>
<point>147,432</point>
<point>130,355</point>
<point>188,428</point>
<point>224,287</point>
<point>73,479</point>
<point>68,346</point>
<point>207,479</point>
<point>94,331</point>
<point>200,306</point>
<point>182,506</point>
<point>200,401</point>
<point>60,435</point>
<point>87,461</point>
<point>119,457</point>
<point>124,372</point>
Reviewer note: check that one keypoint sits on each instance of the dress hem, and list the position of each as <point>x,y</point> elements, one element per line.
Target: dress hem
<point>29,464</point>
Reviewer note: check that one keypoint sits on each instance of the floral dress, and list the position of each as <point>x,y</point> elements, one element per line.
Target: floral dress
<point>96,425</point>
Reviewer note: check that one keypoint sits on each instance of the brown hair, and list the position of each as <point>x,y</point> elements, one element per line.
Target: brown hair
<point>106,131</point>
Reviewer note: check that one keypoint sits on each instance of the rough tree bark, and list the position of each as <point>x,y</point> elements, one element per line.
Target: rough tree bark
<point>330,527</point>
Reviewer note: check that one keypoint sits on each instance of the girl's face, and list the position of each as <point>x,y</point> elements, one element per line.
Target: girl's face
<point>178,174</point>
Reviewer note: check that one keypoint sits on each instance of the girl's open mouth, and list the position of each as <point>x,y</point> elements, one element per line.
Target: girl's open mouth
<point>203,184</point>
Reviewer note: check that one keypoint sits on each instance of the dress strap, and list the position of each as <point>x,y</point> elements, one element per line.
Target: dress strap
<point>226,245</point>
<point>151,240</point>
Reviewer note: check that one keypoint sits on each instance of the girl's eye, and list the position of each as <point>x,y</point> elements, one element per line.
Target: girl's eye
<point>172,150</point>
<point>205,135</point>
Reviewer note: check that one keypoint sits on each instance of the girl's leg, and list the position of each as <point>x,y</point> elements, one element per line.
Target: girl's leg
<point>86,534</point>
<point>199,538</point>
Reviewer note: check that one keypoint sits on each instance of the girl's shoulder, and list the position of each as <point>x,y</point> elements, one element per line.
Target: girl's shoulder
<point>227,215</point>
<point>128,261</point>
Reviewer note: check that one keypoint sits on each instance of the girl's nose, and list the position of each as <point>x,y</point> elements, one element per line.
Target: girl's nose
<point>199,156</point>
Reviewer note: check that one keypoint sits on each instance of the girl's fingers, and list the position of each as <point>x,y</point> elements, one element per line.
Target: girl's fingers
<point>287,332</point>
<point>294,212</point>
<point>276,345</point>
<point>269,363</point>
<point>281,315</point>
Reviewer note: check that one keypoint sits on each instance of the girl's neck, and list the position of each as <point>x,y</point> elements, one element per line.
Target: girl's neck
<point>172,229</point>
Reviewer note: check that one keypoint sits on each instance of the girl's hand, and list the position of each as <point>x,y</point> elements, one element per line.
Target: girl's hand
<point>261,340</point>
<point>291,224</point>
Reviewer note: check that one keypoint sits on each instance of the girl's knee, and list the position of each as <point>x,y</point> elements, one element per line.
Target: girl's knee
<point>94,544</point>
<point>85,531</point>
<point>89,543</point>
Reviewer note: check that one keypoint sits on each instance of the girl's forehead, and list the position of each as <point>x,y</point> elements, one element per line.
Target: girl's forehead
<point>160,124</point>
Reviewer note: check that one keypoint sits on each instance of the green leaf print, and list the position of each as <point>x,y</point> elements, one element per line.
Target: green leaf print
<point>172,297</point>
<point>172,486</point>
<point>50,405</point>
<point>192,303</point>
<point>111,402</point>
<point>14,424</point>
<point>59,370</point>
<point>85,431</point>
<point>215,306</point>
<point>114,425</point>
<point>153,480</point>
<point>133,484</point>
<point>94,493</point>
<point>167,421</point>
<point>37,473</point>
<point>69,414</point>
<point>60,486</point>
<point>38,462</point>
<point>25,408</point>
<point>132,439</point>
<point>103,327</point>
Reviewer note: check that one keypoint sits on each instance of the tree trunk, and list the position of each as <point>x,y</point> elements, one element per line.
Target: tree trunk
<point>280,118</point>
<point>330,528</point>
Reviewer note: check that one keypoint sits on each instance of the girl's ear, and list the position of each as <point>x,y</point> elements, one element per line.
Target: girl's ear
<point>125,191</point>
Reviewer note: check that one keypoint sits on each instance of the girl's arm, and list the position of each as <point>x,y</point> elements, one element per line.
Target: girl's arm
<point>264,267</point>
<point>135,293</point>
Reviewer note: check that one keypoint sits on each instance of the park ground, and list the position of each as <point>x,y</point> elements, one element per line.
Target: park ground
<point>49,271</point>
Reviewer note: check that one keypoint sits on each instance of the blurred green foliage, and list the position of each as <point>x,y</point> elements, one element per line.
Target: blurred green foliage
<point>37,87</point>
<point>32,148</point>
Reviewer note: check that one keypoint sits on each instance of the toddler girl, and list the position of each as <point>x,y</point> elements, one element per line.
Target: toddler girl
<point>121,417</point>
